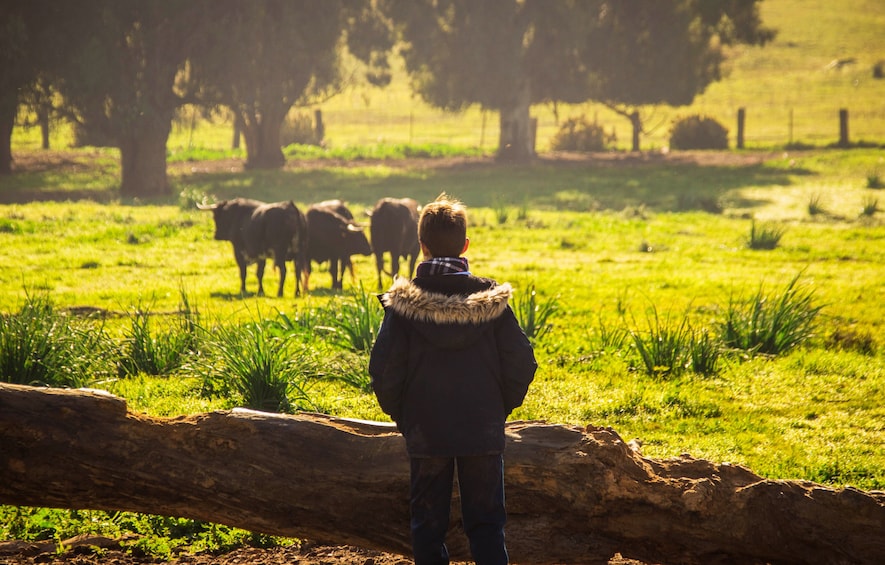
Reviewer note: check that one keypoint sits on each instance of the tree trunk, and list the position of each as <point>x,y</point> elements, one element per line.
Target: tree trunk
<point>573,495</point>
<point>8,109</point>
<point>143,159</point>
<point>636,124</point>
<point>516,138</point>
<point>261,130</point>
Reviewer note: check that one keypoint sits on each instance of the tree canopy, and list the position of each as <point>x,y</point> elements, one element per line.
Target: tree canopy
<point>124,67</point>
<point>508,54</point>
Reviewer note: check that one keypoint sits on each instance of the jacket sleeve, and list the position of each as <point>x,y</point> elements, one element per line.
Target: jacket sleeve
<point>388,366</point>
<point>517,358</point>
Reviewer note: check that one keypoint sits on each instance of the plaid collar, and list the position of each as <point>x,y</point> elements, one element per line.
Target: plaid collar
<point>443,266</point>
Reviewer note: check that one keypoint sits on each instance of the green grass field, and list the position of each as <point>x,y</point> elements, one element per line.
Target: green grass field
<point>613,240</point>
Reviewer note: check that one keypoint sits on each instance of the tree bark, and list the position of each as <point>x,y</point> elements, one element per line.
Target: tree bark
<point>516,138</point>
<point>8,109</point>
<point>261,129</point>
<point>143,159</point>
<point>573,495</point>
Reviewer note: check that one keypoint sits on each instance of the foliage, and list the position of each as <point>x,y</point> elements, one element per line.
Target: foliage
<point>534,315</point>
<point>159,353</point>
<point>578,134</point>
<point>664,349</point>
<point>43,347</point>
<point>771,324</point>
<point>298,128</point>
<point>259,370</point>
<point>158,536</point>
<point>353,322</point>
<point>698,132</point>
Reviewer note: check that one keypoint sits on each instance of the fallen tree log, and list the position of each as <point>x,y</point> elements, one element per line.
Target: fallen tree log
<point>573,495</point>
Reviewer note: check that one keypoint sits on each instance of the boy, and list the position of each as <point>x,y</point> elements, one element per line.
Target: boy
<point>449,365</point>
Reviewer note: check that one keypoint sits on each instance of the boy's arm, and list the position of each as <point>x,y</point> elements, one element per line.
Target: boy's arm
<point>517,358</point>
<point>388,367</point>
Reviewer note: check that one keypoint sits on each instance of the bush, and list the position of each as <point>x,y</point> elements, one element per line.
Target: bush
<point>298,128</point>
<point>577,134</point>
<point>698,132</point>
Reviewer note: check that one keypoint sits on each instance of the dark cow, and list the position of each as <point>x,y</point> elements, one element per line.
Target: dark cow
<point>394,230</point>
<point>334,236</point>
<point>260,231</point>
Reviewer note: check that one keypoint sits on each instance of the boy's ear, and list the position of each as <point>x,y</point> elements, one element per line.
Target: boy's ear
<point>466,245</point>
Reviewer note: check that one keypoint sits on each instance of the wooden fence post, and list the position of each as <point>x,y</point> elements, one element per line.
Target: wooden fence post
<point>742,115</point>
<point>843,127</point>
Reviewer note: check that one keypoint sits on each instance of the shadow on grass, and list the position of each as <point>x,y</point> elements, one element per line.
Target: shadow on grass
<point>663,183</point>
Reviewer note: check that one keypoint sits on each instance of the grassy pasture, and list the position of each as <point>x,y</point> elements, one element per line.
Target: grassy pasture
<point>613,239</point>
<point>610,240</point>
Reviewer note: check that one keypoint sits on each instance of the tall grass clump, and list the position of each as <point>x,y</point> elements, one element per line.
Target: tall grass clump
<point>534,315</point>
<point>159,352</point>
<point>874,180</point>
<point>766,236</point>
<point>770,324</point>
<point>869,207</point>
<point>41,346</point>
<point>353,322</point>
<point>258,369</point>
<point>663,349</point>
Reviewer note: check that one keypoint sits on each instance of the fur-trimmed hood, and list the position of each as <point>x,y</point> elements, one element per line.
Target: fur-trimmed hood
<point>412,302</point>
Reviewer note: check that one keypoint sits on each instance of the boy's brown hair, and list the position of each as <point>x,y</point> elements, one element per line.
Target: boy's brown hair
<point>442,227</point>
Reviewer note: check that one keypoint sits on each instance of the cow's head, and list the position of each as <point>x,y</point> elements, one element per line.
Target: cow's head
<point>356,242</point>
<point>225,219</point>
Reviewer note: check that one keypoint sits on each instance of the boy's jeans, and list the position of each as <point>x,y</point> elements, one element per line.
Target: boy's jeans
<point>481,484</point>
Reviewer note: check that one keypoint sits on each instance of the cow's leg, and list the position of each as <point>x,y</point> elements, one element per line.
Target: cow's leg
<point>259,272</point>
<point>379,265</point>
<point>281,265</point>
<point>413,258</point>
<point>242,264</point>
<point>394,264</point>
<point>333,270</point>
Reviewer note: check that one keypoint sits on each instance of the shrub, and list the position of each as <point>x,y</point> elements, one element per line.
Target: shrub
<point>770,324</point>
<point>577,134</point>
<point>698,132</point>
<point>298,128</point>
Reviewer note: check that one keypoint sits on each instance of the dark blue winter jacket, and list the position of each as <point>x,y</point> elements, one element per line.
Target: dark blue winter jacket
<point>450,363</point>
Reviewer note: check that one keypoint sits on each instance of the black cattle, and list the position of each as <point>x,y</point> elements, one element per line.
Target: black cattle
<point>394,230</point>
<point>334,236</point>
<point>260,231</point>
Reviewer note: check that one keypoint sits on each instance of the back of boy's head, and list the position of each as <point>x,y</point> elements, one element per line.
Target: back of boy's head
<point>442,227</point>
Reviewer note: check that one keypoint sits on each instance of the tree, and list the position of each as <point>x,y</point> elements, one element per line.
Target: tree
<point>14,74</point>
<point>269,55</point>
<point>574,495</point>
<point>126,81</point>
<point>509,54</point>
<point>648,52</point>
